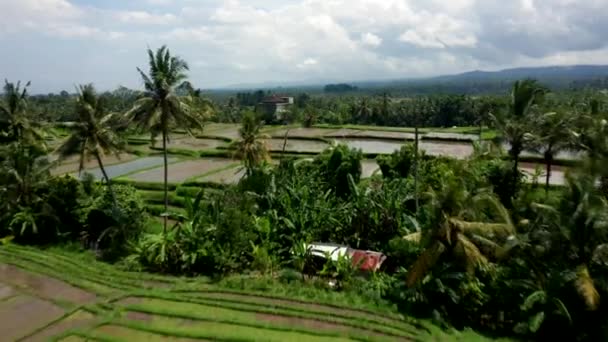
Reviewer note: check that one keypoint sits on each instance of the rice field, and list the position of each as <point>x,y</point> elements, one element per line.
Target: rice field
<point>295,145</point>
<point>225,176</point>
<point>55,295</point>
<point>182,171</point>
<point>118,170</point>
<point>196,144</point>
<point>368,168</point>
<point>72,164</point>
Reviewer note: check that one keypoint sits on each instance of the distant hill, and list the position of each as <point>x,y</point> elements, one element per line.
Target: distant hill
<point>472,82</point>
<point>571,72</point>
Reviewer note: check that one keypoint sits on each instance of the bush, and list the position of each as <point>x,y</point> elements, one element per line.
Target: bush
<point>115,218</point>
<point>66,197</point>
<point>335,164</point>
<point>399,163</point>
<point>215,239</point>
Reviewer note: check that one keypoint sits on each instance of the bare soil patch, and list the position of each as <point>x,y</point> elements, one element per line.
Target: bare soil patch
<point>22,315</point>
<point>6,291</point>
<point>43,286</point>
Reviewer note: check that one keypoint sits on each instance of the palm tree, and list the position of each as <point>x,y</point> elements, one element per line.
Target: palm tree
<point>580,221</point>
<point>251,148</point>
<point>551,136</point>
<point>14,120</point>
<point>515,127</point>
<point>25,171</point>
<point>161,106</point>
<point>94,133</point>
<point>471,243</point>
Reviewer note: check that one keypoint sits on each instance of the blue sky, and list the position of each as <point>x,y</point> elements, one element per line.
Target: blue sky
<point>59,43</point>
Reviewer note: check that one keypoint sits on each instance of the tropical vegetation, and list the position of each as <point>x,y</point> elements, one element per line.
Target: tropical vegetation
<point>469,242</point>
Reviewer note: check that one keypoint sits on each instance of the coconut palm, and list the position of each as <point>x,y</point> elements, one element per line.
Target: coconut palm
<point>515,127</point>
<point>251,147</point>
<point>581,221</point>
<point>14,120</point>
<point>161,106</point>
<point>551,136</point>
<point>471,243</point>
<point>94,134</point>
<point>25,171</point>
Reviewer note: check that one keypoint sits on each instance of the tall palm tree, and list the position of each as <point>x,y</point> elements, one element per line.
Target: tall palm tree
<point>161,106</point>
<point>515,127</point>
<point>251,148</point>
<point>470,242</point>
<point>94,134</point>
<point>551,136</point>
<point>14,120</point>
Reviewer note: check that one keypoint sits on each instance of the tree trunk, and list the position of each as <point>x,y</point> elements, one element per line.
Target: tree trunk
<point>105,176</point>
<point>515,156</point>
<point>166,177</point>
<point>549,162</point>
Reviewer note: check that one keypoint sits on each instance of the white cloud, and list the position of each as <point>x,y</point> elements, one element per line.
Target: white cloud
<point>307,63</point>
<point>370,39</point>
<point>237,41</point>
<point>145,18</point>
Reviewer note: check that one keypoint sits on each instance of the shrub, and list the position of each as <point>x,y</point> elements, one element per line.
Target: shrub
<point>66,197</point>
<point>115,218</point>
<point>399,163</point>
<point>335,164</point>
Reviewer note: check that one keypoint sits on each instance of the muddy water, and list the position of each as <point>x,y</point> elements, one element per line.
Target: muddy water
<point>368,168</point>
<point>458,150</point>
<point>293,145</point>
<point>558,173</point>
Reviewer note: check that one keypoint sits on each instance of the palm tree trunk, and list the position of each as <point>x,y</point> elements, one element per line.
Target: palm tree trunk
<point>105,176</point>
<point>515,171</point>
<point>549,161</point>
<point>166,176</point>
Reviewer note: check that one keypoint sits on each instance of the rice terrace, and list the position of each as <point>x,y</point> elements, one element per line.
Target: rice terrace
<point>303,170</point>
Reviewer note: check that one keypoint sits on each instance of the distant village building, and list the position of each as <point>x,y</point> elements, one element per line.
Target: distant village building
<point>275,105</point>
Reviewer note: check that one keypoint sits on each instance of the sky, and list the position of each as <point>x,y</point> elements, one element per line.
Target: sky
<point>57,44</point>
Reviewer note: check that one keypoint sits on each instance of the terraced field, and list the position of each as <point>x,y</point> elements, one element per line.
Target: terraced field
<point>61,296</point>
<point>182,171</point>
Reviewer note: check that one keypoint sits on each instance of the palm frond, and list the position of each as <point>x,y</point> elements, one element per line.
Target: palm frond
<point>469,254</point>
<point>414,237</point>
<point>586,288</point>
<point>424,263</point>
<point>491,230</point>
